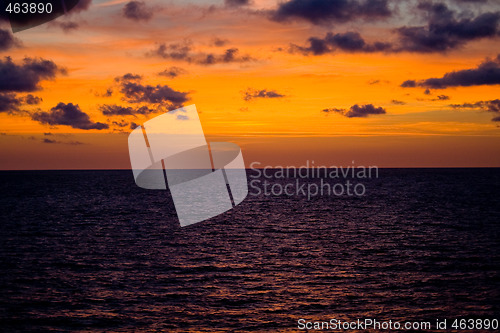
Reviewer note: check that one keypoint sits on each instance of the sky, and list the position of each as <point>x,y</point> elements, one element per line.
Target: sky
<point>339,82</point>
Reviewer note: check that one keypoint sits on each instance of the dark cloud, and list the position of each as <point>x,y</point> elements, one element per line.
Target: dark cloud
<point>108,93</point>
<point>409,84</point>
<point>250,94</point>
<point>26,76</point>
<point>333,110</point>
<point>330,11</point>
<point>444,31</point>
<point>117,110</point>
<point>32,100</point>
<point>50,141</point>
<point>172,72</point>
<point>137,11</point>
<point>176,51</point>
<point>157,98</point>
<point>490,106</point>
<point>136,92</point>
<point>349,42</point>
<point>121,123</point>
<point>68,26</point>
<point>68,114</point>
<point>396,102</point>
<point>128,77</point>
<point>236,3</point>
<point>82,5</point>
<point>230,55</point>
<point>219,42</point>
<point>442,98</point>
<point>487,73</point>
<point>358,111</point>
<point>9,102</point>
<point>7,40</point>
<point>185,52</point>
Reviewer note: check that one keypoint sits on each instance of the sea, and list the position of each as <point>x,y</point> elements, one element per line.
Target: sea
<point>89,251</point>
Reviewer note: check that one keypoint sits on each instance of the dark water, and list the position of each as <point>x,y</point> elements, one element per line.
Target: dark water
<point>89,251</point>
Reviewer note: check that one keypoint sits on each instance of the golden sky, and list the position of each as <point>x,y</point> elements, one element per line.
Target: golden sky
<point>258,80</point>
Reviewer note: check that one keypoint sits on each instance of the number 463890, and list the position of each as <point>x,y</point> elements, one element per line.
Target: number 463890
<point>29,8</point>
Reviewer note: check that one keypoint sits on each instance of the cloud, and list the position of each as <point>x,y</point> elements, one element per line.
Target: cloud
<point>82,5</point>
<point>50,141</point>
<point>108,93</point>
<point>129,77</point>
<point>358,111</point>
<point>236,3</point>
<point>157,98</point>
<point>136,92</point>
<point>7,40</point>
<point>219,42</point>
<point>32,100</point>
<point>121,123</point>
<point>250,94</point>
<point>172,72</point>
<point>487,73</point>
<point>333,110</point>
<point>68,26</point>
<point>444,31</point>
<point>442,98</point>
<point>176,51</point>
<point>137,11</point>
<point>68,114</point>
<point>490,106</point>
<point>117,110</point>
<point>409,84</point>
<point>230,55</point>
<point>330,11</point>
<point>26,76</point>
<point>396,102</point>
<point>184,51</point>
<point>9,102</point>
<point>349,42</point>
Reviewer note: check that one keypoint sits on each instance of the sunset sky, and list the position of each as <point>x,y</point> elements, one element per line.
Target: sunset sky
<point>379,82</point>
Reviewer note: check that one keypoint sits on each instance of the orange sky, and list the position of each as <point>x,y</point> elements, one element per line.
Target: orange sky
<point>420,130</point>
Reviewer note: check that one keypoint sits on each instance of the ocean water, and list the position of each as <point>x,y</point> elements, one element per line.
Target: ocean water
<point>90,251</point>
